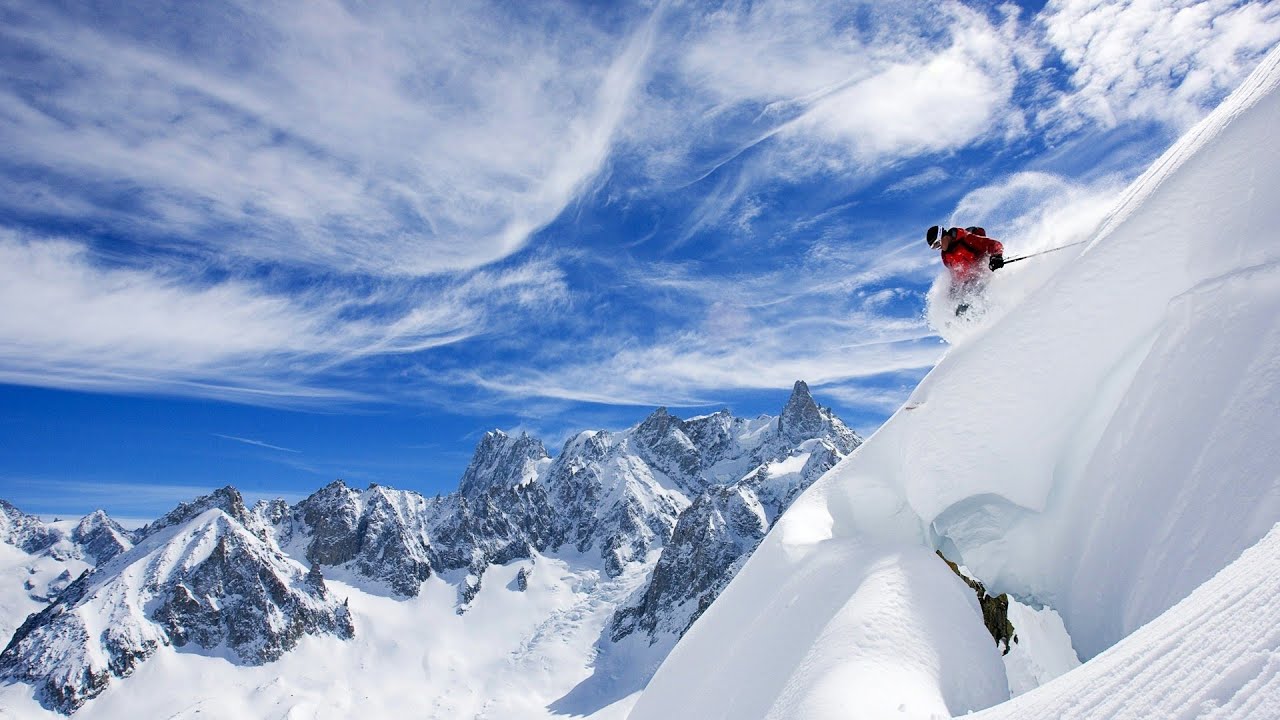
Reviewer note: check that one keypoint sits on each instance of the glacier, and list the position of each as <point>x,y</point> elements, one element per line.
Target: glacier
<point>1108,446</point>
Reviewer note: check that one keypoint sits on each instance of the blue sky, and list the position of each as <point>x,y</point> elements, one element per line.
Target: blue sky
<point>270,244</point>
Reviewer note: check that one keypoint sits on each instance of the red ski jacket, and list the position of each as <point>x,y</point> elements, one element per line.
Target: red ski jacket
<point>967,255</point>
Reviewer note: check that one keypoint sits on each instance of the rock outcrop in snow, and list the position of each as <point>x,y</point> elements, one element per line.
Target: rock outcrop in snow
<point>100,538</point>
<point>23,531</point>
<point>717,533</point>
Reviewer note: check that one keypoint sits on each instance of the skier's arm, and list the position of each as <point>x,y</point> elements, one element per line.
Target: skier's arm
<point>983,244</point>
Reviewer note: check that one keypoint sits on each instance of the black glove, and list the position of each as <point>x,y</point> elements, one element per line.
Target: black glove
<point>997,262</point>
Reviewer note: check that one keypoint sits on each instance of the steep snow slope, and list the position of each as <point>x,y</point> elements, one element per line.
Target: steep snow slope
<point>1215,654</point>
<point>1105,448</point>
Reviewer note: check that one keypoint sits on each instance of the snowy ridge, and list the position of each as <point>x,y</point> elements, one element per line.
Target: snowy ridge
<point>38,560</point>
<point>1104,448</point>
<point>208,581</point>
<point>24,531</point>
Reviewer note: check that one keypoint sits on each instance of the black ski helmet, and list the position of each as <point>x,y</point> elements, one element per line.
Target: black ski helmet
<point>931,236</point>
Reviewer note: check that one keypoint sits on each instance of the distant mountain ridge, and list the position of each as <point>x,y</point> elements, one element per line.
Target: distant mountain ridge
<point>690,497</point>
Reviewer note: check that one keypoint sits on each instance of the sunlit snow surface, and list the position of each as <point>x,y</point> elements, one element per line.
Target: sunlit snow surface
<point>511,656</point>
<point>1104,443</point>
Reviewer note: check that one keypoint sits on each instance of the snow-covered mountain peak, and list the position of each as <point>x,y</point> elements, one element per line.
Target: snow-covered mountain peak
<point>24,531</point>
<point>100,537</point>
<point>205,579</point>
<point>228,499</point>
<point>501,460</point>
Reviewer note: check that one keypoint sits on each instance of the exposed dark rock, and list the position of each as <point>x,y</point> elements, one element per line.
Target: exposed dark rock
<point>716,534</point>
<point>503,462</point>
<point>995,610</point>
<point>719,529</point>
<point>803,419</point>
<point>227,499</point>
<point>377,533</point>
<point>331,516</point>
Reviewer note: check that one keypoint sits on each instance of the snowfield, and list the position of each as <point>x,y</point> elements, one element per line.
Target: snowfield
<point>1108,446</point>
<point>513,654</point>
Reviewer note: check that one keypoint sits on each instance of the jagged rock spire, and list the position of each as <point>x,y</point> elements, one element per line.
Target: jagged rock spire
<point>801,417</point>
<point>501,460</point>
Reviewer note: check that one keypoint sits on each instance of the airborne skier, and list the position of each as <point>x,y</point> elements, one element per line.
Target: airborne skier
<point>969,255</point>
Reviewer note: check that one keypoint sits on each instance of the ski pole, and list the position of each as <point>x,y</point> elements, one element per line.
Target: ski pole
<point>1042,252</point>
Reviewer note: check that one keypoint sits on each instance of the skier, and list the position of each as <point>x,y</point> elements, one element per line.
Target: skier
<point>969,255</point>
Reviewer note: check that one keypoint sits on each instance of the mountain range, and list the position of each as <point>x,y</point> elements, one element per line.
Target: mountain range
<point>660,516</point>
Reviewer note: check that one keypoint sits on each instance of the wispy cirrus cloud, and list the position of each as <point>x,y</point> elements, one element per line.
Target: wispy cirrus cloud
<point>279,202</point>
<point>256,443</point>
<point>72,322</point>
<point>406,139</point>
<point>823,317</point>
<point>830,87</point>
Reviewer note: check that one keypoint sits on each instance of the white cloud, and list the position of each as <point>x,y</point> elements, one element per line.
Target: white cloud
<point>810,319</point>
<point>71,322</point>
<point>1033,211</point>
<point>836,87</point>
<point>936,98</point>
<point>1163,60</point>
<point>389,140</point>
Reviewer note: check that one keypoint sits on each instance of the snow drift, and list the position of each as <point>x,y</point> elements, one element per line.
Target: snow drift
<point>1105,448</point>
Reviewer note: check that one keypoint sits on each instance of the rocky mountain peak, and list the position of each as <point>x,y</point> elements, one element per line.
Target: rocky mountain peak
<point>100,537</point>
<point>663,443</point>
<point>227,499</point>
<point>801,417</point>
<point>331,515</point>
<point>501,460</point>
<point>24,531</point>
<point>658,423</point>
<point>228,589</point>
